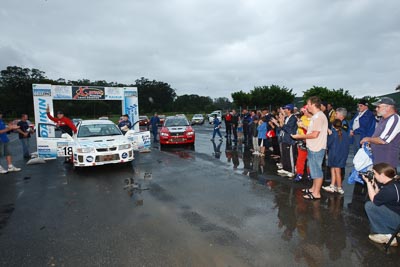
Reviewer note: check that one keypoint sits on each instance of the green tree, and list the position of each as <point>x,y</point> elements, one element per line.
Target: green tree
<point>222,103</point>
<point>241,99</point>
<point>154,96</point>
<point>272,96</point>
<point>16,89</point>
<point>338,98</point>
<point>192,103</point>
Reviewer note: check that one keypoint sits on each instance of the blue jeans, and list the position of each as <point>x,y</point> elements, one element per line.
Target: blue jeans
<point>216,131</point>
<point>25,147</point>
<point>315,163</point>
<point>382,219</point>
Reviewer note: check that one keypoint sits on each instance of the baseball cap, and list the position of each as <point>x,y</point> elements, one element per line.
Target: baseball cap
<point>288,106</point>
<point>385,100</point>
<point>363,102</point>
<point>60,112</point>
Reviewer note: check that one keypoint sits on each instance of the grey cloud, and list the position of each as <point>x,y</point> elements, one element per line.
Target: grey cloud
<point>209,47</point>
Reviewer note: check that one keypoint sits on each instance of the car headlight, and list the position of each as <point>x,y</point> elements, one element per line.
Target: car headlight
<point>163,134</point>
<point>85,150</point>
<point>190,133</point>
<point>125,146</point>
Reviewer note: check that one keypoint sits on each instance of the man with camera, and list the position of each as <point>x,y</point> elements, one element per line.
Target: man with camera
<point>384,208</point>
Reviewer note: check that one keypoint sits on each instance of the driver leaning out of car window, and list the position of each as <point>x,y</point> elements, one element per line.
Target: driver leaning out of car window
<point>64,123</point>
<point>125,124</point>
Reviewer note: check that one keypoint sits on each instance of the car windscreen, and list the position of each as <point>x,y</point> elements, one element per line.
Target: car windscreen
<point>176,122</point>
<point>92,130</point>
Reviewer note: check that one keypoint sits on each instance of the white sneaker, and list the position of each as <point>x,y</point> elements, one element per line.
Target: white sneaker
<point>383,239</point>
<point>2,170</point>
<point>279,165</point>
<point>290,175</point>
<point>256,153</point>
<point>282,171</point>
<point>13,169</point>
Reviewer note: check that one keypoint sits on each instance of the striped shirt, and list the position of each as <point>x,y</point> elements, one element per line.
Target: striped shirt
<point>389,131</point>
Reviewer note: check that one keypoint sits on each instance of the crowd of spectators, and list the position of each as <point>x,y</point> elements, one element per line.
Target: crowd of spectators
<point>320,137</point>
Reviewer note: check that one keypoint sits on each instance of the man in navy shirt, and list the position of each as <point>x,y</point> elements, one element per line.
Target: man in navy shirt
<point>24,133</point>
<point>125,124</point>
<point>154,122</point>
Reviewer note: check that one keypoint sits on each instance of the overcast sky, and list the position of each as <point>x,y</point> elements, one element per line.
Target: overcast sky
<point>209,47</point>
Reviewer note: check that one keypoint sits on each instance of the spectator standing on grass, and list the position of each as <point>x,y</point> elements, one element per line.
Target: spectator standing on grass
<point>24,134</point>
<point>154,122</point>
<point>5,145</point>
<point>385,141</point>
<point>316,137</point>
<point>362,125</point>
<point>338,146</point>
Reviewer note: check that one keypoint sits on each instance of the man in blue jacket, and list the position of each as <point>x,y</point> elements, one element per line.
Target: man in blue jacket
<point>362,125</point>
<point>289,149</point>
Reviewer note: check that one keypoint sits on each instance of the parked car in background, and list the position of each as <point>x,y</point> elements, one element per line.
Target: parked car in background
<point>176,130</point>
<point>198,119</point>
<point>162,119</point>
<point>211,116</point>
<point>144,121</point>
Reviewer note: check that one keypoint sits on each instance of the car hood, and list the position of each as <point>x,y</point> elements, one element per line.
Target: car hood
<point>176,129</point>
<point>101,141</point>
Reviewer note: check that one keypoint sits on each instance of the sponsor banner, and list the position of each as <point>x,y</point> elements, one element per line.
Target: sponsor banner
<point>140,141</point>
<point>131,108</point>
<point>41,89</point>
<point>113,93</point>
<point>47,150</point>
<point>130,91</point>
<point>87,92</point>
<point>61,92</point>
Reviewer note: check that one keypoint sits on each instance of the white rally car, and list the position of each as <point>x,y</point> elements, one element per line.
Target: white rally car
<point>97,142</point>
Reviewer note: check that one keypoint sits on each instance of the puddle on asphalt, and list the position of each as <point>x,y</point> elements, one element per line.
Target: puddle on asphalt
<point>135,189</point>
<point>5,214</point>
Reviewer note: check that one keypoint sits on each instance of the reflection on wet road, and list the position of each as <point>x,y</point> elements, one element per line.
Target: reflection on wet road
<point>217,205</point>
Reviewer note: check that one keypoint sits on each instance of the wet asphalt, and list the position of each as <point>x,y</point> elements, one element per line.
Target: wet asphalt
<point>215,206</point>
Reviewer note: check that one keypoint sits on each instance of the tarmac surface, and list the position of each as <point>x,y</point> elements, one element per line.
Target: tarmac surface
<point>217,205</point>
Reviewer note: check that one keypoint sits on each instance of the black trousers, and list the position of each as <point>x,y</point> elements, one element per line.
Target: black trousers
<point>289,157</point>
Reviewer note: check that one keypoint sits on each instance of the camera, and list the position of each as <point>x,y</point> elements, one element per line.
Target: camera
<point>368,174</point>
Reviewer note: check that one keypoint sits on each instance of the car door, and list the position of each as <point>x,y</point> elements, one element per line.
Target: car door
<point>52,142</point>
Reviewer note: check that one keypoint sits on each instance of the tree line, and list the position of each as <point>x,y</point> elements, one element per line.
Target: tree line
<point>153,96</point>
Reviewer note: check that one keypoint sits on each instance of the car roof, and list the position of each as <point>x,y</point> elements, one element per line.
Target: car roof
<point>90,122</point>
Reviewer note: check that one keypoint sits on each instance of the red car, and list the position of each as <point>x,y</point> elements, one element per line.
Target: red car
<point>162,119</point>
<point>144,121</point>
<point>176,130</point>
